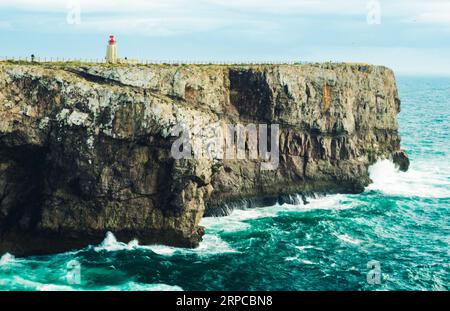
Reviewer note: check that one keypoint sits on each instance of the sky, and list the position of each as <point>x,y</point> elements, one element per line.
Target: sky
<point>410,36</point>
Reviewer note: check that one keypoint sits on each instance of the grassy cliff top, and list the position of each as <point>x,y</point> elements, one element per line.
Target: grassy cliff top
<point>75,63</point>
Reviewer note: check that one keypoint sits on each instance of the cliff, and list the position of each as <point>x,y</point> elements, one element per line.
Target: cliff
<point>86,149</point>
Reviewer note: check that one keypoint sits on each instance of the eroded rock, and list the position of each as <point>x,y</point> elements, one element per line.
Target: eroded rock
<point>86,150</point>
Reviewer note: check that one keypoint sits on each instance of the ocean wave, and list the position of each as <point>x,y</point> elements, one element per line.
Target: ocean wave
<point>305,247</point>
<point>134,286</point>
<point>210,245</point>
<point>213,244</point>
<point>162,249</point>
<point>298,259</point>
<point>19,283</point>
<point>348,239</point>
<point>428,181</point>
<point>6,259</point>
<point>111,244</point>
<point>236,220</point>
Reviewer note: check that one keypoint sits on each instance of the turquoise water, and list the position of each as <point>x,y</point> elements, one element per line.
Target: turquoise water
<point>401,223</point>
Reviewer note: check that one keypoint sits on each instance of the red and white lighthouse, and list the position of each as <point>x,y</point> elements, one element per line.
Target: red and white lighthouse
<point>111,51</point>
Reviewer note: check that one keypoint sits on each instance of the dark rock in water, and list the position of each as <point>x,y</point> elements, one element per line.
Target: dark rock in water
<point>86,150</point>
<point>289,199</point>
<point>297,199</point>
<point>304,199</point>
<point>401,160</point>
<point>225,208</point>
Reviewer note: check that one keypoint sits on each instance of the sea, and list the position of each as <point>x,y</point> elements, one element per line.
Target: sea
<point>393,236</point>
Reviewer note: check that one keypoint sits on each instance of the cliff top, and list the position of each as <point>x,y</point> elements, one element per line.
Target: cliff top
<point>75,64</point>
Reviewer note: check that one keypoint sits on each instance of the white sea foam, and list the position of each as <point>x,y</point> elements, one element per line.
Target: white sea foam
<point>6,259</point>
<point>332,202</point>
<point>427,181</point>
<point>211,244</point>
<point>348,239</point>
<point>22,283</point>
<point>305,247</point>
<point>162,249</point>
<point>296,258</point>
<point>111,244</point>
<point>134,286</point>
<point>53,287</point>
<point>17,282</point>
<point>236,220</point>
<point>302,248</point>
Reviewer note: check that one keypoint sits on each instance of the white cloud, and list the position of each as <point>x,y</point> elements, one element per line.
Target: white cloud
<point>149,26</point>
<point>434,18</point>
<point>151,18</point>
<point>426,10</point>
<point>148,6</point>
<point>168,17</point>
<point>422,11</point>
<point>257,28</point>
<point>347,7</point>
<point>98,6</point>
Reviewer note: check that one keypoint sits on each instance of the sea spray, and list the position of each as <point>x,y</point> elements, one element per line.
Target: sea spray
<point>6,259</point>
<point>422,181</point>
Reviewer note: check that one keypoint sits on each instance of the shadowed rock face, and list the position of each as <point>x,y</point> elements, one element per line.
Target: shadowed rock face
<point>85,150</point>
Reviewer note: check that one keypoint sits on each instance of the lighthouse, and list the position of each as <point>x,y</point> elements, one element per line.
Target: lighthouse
<point>111,51</point>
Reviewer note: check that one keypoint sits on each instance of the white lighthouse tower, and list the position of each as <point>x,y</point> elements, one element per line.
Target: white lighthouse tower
<point>111,51</point>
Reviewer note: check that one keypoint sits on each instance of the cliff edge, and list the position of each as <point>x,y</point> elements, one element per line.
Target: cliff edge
<point>86,149</point>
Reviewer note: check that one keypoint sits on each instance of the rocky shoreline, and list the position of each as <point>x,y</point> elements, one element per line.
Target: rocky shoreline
<point>86,149</point>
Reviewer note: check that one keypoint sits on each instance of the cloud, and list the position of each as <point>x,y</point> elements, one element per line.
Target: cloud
<point>243,29</point>
<point>434,18</point>
<point>150,26</point>
<point>425,11</point>
<point>420,11</point>
<point>150,18</point>
<point>179,17</point>
<point>99,6</point>
<point>348,7</point>
<point>148,6</point>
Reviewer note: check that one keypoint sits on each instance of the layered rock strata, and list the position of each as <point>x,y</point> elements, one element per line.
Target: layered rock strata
<point>86,149</point>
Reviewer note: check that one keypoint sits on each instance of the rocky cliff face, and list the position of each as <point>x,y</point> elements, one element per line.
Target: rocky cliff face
<point>87,149</point>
